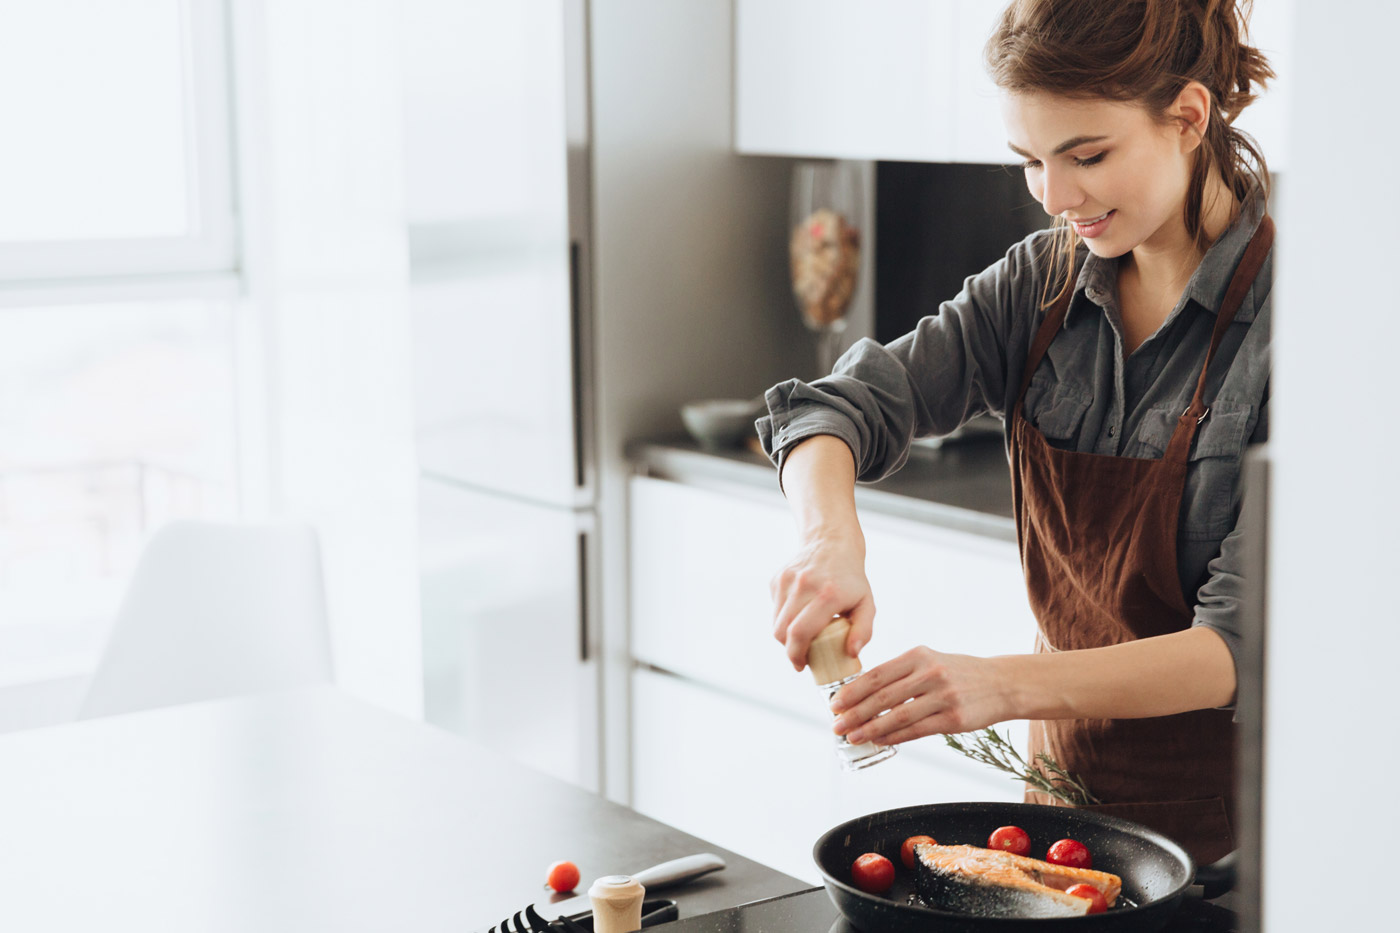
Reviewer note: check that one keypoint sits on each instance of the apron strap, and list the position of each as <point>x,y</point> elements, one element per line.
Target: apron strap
<point>1245,273</point>
<point>1049,327</point>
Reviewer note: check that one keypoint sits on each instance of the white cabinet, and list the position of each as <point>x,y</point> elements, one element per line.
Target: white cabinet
<point>842,80</point>
<point>702,559</point>
<point>767,785</point>
<point>904,80</point>
<point>728,741</point>
<point>885,79</point>
<point>502,644</point>
<point>978,133</point>
<point>486,105</point>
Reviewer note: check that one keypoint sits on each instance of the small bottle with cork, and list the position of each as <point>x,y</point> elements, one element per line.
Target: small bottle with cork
<point>833,668</point>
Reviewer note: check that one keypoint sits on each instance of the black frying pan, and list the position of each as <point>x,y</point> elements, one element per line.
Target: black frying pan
<point>1156,871</point>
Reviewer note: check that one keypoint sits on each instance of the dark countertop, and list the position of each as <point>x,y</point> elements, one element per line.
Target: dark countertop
<point>964,484</point>
<point>550,820</point>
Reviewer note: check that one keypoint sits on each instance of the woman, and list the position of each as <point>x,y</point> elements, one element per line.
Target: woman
<point>1127,350</point>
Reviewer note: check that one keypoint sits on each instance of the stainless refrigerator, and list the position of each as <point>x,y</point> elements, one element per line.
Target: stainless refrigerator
<point>497,171</point>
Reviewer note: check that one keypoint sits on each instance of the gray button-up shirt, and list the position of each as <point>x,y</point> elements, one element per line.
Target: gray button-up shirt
<point>969,357</point>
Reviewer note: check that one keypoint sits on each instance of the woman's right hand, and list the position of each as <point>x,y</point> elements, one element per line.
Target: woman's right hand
<point>825,579</point>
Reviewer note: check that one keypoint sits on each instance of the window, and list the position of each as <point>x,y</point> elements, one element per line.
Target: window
<point>116,156</point>
<point>115,419</point>
<point>118,373</point>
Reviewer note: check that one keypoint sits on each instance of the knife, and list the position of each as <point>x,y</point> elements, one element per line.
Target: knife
<point>676,871</point>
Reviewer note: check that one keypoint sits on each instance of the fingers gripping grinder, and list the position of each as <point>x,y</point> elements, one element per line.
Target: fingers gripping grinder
<point>833,668</point>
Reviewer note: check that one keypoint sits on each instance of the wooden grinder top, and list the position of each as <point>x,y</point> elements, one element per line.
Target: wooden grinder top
<point>827,658</point>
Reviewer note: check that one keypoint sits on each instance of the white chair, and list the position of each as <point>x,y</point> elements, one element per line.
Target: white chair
<point>215,610</point>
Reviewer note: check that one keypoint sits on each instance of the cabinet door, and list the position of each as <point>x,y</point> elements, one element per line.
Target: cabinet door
<point>501,629</point>
<point>765,784</point>
<point>702,559</point>
<point>978,132</point>
<point>496,334</point>
<point>828,78</point>
<point>701,562</point>
<point>953,591</point>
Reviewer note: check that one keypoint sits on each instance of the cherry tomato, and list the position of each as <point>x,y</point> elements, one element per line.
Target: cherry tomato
<point>562,876</point>
<point>1011,839</point>
<point>1070,853</point>
<point>1097,904</point>
<point>906,851</point>
<point>873,873</point>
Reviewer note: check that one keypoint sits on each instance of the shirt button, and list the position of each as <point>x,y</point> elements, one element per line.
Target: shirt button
<point>1110,430</point>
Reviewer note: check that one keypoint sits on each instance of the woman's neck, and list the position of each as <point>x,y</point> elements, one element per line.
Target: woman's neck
<point>1164,262</point>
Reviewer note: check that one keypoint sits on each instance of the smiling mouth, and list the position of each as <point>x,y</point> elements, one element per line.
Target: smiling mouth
<point>1093,227</point>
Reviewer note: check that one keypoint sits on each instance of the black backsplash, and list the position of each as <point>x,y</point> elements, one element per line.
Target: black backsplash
<point>936,224</point>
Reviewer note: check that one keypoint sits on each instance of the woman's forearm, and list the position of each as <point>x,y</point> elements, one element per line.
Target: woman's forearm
<point>819,480</point>
<point>827,576</point>
<point>1156,676</point>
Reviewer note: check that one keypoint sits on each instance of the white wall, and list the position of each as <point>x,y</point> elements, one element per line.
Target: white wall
<point>1334,626</point>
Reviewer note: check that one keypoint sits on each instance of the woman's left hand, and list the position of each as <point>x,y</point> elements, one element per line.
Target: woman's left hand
<point>927,693</point>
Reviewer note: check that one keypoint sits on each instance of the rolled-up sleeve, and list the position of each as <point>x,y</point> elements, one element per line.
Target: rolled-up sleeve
<point>1220,599</point>
<point>951,367</point>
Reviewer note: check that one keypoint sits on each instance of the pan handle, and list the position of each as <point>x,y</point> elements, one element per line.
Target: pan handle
<point>1217,877</point>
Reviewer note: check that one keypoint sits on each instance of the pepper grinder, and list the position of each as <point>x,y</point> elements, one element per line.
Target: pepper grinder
<point>833,668</point>
<point>617,904</point>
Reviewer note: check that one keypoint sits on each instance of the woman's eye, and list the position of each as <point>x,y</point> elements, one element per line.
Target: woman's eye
<point>1030,164</point>
<point>1092,160</point>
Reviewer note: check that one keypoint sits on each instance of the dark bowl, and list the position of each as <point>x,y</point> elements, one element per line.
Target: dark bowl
<point>721,422</point>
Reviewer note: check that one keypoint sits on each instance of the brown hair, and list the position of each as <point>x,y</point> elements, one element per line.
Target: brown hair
<point>1143,51</point>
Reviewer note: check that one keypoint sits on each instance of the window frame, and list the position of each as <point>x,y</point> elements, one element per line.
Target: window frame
<point>212,247</point>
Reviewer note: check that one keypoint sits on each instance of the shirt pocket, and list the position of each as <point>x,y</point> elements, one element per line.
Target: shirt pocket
<point>1210,500</point>
<point>1056,410</point>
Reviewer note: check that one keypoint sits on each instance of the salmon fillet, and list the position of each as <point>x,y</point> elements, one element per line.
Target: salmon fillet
<point>992,883</point>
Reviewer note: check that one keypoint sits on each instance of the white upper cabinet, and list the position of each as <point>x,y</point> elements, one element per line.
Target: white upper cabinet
<point>978,133</point>
<point>904,80</point>
<point>835,79</point>
<point>898,80</point>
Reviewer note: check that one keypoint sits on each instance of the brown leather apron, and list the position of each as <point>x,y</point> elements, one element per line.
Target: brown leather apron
<point>1098,545</point>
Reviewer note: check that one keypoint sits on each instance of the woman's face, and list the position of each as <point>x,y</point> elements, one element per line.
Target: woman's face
<point>1109,168</point>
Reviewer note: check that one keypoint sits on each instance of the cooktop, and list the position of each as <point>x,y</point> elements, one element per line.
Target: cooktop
<point>812,911</point>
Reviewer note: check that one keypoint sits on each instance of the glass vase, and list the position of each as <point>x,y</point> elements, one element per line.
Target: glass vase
<point>824,249</point>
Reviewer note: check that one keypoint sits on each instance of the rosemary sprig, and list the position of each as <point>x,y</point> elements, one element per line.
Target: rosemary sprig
<point>1047,777</point>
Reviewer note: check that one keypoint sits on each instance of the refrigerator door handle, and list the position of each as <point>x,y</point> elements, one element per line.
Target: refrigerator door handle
<point>583,648</point>
<point>576,336</point>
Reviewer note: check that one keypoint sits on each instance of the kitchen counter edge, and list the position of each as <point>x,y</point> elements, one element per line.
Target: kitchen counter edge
<point>964,486</point>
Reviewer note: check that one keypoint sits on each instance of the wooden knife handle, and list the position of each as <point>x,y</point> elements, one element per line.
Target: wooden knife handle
<point>827,657</point>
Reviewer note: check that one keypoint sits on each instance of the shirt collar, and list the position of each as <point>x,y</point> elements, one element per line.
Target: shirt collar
<point>1098,279</point>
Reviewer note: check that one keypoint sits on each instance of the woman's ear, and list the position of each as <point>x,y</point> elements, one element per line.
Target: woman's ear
<point>1192,113</point>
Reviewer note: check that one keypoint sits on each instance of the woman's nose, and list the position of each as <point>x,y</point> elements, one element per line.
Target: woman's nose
<point>1059,192</point>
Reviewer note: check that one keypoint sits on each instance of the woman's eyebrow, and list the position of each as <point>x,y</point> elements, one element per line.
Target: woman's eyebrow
<point>1065,146</point>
